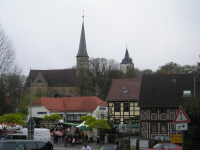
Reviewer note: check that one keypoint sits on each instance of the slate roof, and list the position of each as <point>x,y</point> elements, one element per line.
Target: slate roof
<point>70,104</point>
<point>160,91</point>
<point>82,52</point>
<point>55,78</point>
<point>116,89</point>
<point>127,59</point>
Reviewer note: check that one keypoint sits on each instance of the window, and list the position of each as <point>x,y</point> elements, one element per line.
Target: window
<point>117,107</point>
<point>154,128</point>
<point>38,92</point>
<point>116,121</point>
<point>163,110</point>
<point>71,93</point>
<point>23,137</point>
<point>41,112</point>
<point>75,116</point>
<point>173,80</point>
<point>15,136</point>
<point>102,115</point>
<point>126,107</point>
<point>172,145</point>
<point>166,146</point>
<point>126,121</point>
<point>186,93</point>
<point>102,108</point>
<point>163,128</point>
<point>153,110</point>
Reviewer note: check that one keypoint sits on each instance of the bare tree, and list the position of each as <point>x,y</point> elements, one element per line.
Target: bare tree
<point>10,75</point>
<point>7,53</point>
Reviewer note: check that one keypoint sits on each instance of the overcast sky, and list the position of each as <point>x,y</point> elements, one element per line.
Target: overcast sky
<point>46,33</point>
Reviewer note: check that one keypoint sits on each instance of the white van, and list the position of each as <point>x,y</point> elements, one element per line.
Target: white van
<point>39,135</point>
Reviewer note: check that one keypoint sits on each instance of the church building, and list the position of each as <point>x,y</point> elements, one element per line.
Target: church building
<point>59,82</point>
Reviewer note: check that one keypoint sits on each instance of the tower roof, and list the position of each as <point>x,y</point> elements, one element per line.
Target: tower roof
<point>127,59</point>
<point>82,52</point>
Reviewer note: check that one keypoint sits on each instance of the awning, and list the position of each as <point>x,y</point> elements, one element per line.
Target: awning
<point>66,123</point>
<point>83,128</point>
<point>133,125</point>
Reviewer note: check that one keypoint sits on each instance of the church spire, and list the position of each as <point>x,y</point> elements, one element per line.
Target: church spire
<point>126,59</point>
<point>126,54</point>
<point>82,52</point>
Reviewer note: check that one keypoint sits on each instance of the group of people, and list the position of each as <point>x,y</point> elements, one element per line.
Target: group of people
<point>63,135</point>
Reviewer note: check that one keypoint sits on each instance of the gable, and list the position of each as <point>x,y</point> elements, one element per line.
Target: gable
<point>40,81</point>
<point>116,89</point>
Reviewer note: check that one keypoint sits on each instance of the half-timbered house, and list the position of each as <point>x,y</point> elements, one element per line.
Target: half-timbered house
<point>160,97</point>
<point>123,103</point>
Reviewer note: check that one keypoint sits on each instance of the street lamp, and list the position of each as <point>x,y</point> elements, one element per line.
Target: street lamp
<point>125,92</point>
<point>194,80</point>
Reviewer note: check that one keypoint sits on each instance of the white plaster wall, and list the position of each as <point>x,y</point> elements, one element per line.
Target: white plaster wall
<point>97,111</point>
<point>36,109</point>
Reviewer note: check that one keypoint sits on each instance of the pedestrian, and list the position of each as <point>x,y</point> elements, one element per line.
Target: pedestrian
<point>55,138</point>
<point>70,139</point>
<point>49,145</point>
<point>65,141</point>
<point>73,141</point>
<point>85,147</point>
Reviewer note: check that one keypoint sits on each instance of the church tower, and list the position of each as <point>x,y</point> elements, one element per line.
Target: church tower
<point>126,62</point>
<point>82,56</point>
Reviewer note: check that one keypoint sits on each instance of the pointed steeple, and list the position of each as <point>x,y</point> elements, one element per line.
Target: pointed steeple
<point>126,54</point>
<point>126,59</point>
<point>82,52</point>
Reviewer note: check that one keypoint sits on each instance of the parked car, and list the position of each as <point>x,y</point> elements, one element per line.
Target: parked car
<point>22,145</point>
<point>168,146</point>
<point>110,148</point>
<point>161,139</point>
<point>128,138</point>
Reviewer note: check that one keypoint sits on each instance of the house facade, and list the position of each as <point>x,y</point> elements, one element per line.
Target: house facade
<point>123,103</point>
<point>160,98</point>
<point>69,108</point>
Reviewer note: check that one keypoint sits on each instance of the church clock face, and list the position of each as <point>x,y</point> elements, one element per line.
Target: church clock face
<point>81,62</point>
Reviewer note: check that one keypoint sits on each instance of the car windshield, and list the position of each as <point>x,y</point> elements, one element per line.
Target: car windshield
<point>7,145</point>
<point>158,146</point>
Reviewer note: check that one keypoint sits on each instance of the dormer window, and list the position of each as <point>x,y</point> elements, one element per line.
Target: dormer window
<point>186,93</point>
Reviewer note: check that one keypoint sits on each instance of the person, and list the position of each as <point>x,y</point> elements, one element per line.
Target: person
<point>70,139</point>
<point>86,138</point>
<point>98,140</point>
<point>85,147</point>
<point>55,138</point>
<point>73,141</point>
<point>65,141</point>
<point>49,145</point>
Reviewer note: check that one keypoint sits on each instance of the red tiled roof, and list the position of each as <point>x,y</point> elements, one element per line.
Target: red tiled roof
<point>70,104</point>
<point>116,89</point>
